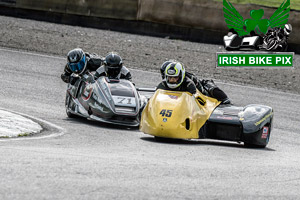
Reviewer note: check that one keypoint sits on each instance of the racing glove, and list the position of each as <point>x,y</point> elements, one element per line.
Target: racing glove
<point>65,78</point>
<point>73,80</point>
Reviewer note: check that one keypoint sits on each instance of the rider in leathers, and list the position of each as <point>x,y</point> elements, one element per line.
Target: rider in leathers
<point>176,80</point>
<point>276,38</point>
<point>206,87</point>
<point>113,68</point>
<point>80,63</point>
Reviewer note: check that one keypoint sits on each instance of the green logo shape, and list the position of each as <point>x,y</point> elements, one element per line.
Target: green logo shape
<point>235,21</point>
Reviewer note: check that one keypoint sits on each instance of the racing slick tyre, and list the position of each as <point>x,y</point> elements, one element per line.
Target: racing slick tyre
<point>248,145</point>
<point>67,102</point>
<point>70,115</point>
<point>272,45</point>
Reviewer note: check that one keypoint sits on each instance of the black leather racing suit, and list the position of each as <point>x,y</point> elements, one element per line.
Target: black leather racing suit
<point>124,73</point>
<point>209,88</point>
<point>206,87</point>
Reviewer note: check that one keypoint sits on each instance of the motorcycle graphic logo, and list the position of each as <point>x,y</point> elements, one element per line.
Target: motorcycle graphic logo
<point>257,33</point>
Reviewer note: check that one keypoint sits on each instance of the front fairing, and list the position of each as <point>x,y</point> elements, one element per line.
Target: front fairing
<point>94,100</point>
<point>176,114</point>
<point>107,98</point>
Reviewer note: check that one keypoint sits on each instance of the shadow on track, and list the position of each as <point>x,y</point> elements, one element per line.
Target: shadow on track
<point>81,120</point>
<point>201,142</point>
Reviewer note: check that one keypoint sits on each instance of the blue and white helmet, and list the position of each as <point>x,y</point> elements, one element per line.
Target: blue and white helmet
<point>77,61</point>
<point>175,69</point>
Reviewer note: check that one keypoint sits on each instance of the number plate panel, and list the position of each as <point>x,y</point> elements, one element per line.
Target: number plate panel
<point>124,101</point>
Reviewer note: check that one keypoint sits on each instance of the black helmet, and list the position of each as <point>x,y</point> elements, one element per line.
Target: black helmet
<point>163,67</point>
<point>77,61</point>
<point>113,64</point>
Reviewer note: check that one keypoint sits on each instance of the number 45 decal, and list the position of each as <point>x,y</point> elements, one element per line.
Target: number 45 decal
<point>166,113</point>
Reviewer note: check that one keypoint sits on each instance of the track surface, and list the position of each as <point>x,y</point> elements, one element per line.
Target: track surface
<point>97,161</point>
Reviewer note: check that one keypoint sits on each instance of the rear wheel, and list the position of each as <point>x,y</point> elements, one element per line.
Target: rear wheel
<point>248,145</point>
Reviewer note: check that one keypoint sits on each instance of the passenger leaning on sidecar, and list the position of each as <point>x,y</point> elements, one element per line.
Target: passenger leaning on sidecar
<point>113,68</point>
<point>80,62</point>
<point>176,80</point>
<point>206,87</point>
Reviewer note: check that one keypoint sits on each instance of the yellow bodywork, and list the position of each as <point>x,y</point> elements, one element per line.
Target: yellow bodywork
<point>173,114</point>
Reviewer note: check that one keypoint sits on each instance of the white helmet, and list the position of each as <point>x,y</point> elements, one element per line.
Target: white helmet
<point>175,69</point>
<point>287,29</point>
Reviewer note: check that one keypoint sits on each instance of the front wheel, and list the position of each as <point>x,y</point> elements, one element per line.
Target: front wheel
<point>67,104</point>
<point>70,115</point>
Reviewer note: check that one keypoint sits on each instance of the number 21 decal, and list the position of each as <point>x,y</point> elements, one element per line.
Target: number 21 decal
<point>166,113</point>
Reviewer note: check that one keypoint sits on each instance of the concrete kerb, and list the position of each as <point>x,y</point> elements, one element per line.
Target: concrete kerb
<point>13,125</point>
<point>19,126</point>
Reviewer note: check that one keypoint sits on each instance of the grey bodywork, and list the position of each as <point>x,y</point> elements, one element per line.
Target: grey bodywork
<point>105,100</point>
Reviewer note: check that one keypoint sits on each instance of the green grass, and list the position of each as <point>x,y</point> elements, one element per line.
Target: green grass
<point>19,135</point>
<point>23,134</point>
<point>295,4</point>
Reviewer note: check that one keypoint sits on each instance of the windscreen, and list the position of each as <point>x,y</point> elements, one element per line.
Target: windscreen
<point>122,88</point>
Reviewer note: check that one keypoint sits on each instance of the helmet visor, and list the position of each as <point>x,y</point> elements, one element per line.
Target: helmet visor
<point>173,79</point>
<point>113,72</point>
<point>79,66</point>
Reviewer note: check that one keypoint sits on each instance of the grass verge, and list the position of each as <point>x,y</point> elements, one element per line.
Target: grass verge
<point>295,4</point>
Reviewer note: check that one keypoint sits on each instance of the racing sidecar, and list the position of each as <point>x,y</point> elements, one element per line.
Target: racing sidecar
<point>170,114</point>
<point>234,42</point>
<point>106,100</point>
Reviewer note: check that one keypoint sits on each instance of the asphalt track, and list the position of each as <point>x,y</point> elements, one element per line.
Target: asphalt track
<point>89,160</point>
